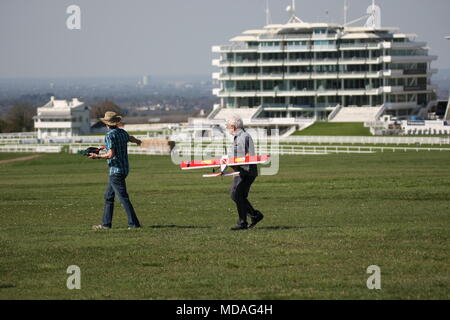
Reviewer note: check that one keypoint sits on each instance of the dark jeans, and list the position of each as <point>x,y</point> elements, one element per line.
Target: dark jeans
<point>239,193</point>
<point>117,186</point>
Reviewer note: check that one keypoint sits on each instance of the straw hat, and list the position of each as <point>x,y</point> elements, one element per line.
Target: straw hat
<point>111,118</point>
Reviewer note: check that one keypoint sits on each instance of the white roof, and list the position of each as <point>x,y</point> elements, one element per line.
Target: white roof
<point>253,31</point>
<point>405,35</point>
<point>244,38</point>
<point>370,29</point>
<point>62,104</point>
<point>359,36</point>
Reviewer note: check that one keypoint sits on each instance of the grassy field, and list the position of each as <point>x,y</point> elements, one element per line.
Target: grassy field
<point>335,129</point>
<point>327,219</point>
<point>11,155</point>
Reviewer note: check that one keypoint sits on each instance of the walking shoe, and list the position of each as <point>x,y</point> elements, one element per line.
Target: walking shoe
<point>130,228</point>
<point>256,219</point>
<point>100,227</point>
<point>239,227</point>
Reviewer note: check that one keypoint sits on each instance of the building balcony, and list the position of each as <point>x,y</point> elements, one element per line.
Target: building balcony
<point>57,125</point>
<point>400,105</point>
<point>415,88</point>
<point>404,45</point>
<point>413,72</point>
<point>392,89</point>
<point>297,62</point>
<point>310,75</point>
<point>324,48</point>
<point>240,63</point>
<point>301,93</point>
<point>275,62</point>
<point>359,46</point>
<point>325,61</point>
<point>235,47</point>
<point>271,49</point>
<point>409,89</point>
<point>293,48</point>
<point>357,60</point>
<point>411,59</point>
<point>243,76</point>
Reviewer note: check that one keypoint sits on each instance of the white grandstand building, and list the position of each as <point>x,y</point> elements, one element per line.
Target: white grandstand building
<point>289,74</point>
<point>62,119</point>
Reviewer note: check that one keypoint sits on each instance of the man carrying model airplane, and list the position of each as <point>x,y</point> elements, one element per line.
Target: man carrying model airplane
<point>242,147</point>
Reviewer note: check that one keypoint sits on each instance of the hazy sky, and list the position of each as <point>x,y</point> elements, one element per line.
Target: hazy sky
<point>173,37</point>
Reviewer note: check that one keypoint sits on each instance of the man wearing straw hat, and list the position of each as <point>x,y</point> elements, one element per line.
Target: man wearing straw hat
<point>116,141</point>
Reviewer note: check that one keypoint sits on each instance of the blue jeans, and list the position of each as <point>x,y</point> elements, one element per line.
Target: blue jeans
<point>117,186</point>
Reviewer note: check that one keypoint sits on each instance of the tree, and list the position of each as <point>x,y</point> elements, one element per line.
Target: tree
<point>20,118</point>
<point>3,125</point>
<point>98,110</point>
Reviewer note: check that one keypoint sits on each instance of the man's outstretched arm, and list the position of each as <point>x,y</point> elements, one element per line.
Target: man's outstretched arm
<point>134,140</point>
<point>108,155</point>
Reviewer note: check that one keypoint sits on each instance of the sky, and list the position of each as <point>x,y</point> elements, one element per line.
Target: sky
<point>120,38</point>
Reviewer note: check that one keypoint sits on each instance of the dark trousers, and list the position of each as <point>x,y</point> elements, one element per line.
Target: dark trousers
<point>239,193</point>
<point>118,187</point>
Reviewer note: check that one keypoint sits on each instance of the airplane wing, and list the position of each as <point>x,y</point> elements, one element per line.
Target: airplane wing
<point>218,174</point>
<point>216,163</point>
<point>241,161</point>
<point>200,164</point>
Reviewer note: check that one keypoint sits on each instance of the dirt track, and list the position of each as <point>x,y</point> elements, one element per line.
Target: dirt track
<point>20,159</point>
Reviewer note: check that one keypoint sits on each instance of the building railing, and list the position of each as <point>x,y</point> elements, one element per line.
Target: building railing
<point>414,71</point>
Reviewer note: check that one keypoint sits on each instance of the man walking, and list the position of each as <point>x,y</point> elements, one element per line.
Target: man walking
<point>116,141</point>
<point>243,146</point>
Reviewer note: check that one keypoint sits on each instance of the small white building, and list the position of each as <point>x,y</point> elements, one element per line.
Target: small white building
<point>61,118</point>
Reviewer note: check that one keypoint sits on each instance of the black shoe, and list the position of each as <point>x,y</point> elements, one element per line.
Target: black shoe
<point>256,219</point>
<point>239,227</point>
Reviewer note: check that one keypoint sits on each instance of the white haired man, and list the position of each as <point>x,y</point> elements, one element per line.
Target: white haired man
<point>243,146</point>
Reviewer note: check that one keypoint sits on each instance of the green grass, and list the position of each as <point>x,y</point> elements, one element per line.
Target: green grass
<point>327,219</point>
<point>7,155</point>
<point>335,129</point>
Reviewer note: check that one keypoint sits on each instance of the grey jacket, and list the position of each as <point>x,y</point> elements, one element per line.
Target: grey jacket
<point>243,144</point>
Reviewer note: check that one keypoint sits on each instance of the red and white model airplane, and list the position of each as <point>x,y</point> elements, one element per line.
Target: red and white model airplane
<point>223,163</point>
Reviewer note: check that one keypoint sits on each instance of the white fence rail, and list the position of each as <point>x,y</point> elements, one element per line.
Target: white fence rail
<point>25,148</point>
<point>217,150</point>
<point>154,150</point>
<point>18,135</point>
<point>367,140</point>
<point>341,140</point>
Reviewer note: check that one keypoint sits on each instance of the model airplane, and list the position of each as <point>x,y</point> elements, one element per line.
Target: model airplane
<point>90,150</point>
<point>223,163</point>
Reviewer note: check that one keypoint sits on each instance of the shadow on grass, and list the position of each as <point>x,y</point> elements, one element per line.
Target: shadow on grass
<point>177,227</point>
<point>7,286</point>
<point>292,227</point>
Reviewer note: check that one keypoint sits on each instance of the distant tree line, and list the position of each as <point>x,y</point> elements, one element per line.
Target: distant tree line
<point>19,118</point>
<point>98,109</point>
